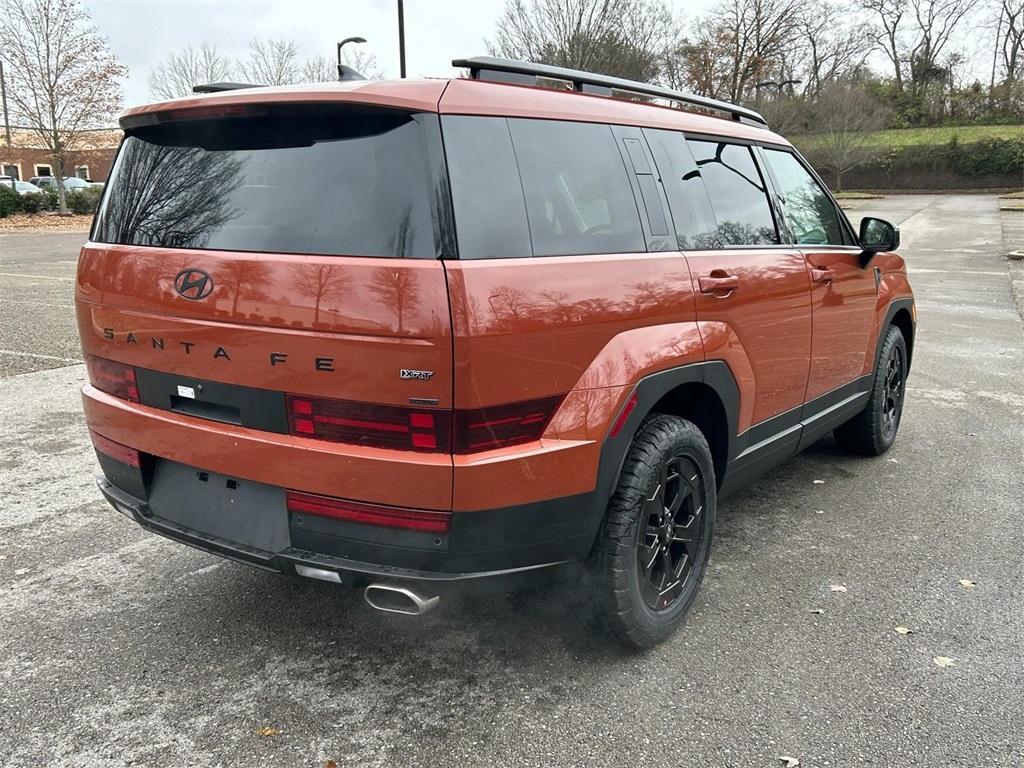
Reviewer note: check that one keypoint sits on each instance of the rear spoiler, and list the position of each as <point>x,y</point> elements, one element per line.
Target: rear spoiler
<point>220,87</point>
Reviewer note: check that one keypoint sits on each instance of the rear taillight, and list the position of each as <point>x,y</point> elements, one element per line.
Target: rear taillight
<point>483,429</point>
<point>378,426</point>
<point>369,514</point>
<point>116,451</point>
<point>112,377</point>
<point>419,429</point>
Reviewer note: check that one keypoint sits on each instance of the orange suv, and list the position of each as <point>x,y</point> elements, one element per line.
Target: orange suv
<point>423,336</point>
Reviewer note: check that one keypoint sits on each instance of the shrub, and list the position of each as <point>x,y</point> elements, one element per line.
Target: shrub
<point>9,202</point>
<point>84,201</point>
<point>986,157</point>
<point>52,200</point>
<point>34,202</point>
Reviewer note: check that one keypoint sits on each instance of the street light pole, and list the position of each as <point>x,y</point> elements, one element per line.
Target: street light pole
<point>341,67</point>
<point>401,38</point>
<point>3,98</point>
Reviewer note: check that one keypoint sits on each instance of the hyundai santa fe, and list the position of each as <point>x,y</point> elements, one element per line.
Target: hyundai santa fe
<point>469,334</point>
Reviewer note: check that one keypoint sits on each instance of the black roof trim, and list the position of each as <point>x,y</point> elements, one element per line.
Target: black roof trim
<point>507,70</point>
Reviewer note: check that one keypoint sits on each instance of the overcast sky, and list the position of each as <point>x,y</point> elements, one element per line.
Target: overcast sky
<point>143,32</point>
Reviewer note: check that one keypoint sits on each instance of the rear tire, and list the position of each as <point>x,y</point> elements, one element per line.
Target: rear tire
<point>655,540</point>
<point>873,431</point>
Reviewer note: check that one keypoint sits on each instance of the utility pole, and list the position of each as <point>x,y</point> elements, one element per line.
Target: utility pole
<point>3,97</point>
<point>401,38</point>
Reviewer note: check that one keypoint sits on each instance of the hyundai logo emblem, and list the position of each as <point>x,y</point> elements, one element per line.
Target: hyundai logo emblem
<point>193,284</point>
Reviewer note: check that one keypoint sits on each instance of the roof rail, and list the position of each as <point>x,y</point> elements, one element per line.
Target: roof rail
<point>218,87</point>
<point>525,72</point>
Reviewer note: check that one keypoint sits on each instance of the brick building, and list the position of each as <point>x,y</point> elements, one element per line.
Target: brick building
<point>91,157</point>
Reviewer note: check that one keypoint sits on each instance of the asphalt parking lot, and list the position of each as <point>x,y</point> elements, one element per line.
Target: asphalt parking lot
<point>120,648</point>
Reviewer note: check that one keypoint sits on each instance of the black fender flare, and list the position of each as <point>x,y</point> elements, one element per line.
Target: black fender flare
<point>895,306</point>
<point>649,390</point>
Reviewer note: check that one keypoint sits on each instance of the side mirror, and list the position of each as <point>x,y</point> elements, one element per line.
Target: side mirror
<point>877,235</point>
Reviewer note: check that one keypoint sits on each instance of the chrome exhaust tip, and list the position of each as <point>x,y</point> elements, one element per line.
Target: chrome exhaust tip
<point>394,599</point>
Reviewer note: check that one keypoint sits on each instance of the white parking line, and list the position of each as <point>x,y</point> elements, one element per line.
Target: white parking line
<point>41,357</point>
<point>43,277</point>
<point>921,271</point>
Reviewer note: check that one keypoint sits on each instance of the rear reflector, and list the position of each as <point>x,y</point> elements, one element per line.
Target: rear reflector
<point>483,429</point>
<point>624,415</point>
<point>420,429</point>
<point>116,451</point>
<point>112,377</point>
<point>378,426</point>
<point>369,514</point>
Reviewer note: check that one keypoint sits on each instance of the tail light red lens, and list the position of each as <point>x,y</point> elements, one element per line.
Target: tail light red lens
<point>418,429</point>
<point>379,426</point>
<point>112,377</point>
<point>116,451</point>
<point>483,429</point>
<point>369,514</point>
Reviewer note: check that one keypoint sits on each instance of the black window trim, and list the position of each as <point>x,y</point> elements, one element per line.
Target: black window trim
<point>652,243</point>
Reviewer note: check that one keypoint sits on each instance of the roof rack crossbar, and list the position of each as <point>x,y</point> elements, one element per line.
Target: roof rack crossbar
<point>491,68</point>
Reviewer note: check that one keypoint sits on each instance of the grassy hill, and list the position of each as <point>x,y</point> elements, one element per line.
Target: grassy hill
<point>909,137</point>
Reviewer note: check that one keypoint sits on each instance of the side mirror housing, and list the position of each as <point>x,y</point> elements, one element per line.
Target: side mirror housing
<point>877,235</point>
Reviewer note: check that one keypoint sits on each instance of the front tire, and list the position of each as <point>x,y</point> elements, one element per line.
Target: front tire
<point>873,431</point>
<point>655,540</point>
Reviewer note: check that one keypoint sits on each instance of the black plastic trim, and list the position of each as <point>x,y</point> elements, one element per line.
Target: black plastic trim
<point>351,571</point>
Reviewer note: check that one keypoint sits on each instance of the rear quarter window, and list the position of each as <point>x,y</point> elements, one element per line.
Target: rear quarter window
<point>524,187</point>
<point>336,181</point>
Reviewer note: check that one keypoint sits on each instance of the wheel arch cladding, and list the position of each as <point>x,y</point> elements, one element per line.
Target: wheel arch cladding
<point>700,403</point>
<point>705,393</point>
<point>902,320</point>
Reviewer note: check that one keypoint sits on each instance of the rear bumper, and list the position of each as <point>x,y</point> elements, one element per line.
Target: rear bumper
<point>492,570</point>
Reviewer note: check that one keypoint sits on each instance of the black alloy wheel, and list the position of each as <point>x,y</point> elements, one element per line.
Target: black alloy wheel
<point>667,545</point>
<point>892,403</point>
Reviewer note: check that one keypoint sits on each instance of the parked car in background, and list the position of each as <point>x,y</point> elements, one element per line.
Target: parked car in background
<point>71,183</point>
<point>26,188</point>
<point>6,181</point>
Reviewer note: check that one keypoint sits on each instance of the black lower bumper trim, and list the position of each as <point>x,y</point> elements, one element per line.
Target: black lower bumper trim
<point>352,572</point>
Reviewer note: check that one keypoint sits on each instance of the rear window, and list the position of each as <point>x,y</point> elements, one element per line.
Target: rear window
<point>337,181</point>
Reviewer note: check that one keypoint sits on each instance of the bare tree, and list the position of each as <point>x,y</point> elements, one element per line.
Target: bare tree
<point>324,69</point>
<point>889,15</point>
<point>190,66</point>
<point>627,38</point>
<point>62,76</point>
<point>833,45</point>
<point>935,21</point>
<point>914,34</point>
<point>844,116</point>
<point>742,43</point>
<point>1008,56</point>
<point>271,62</point>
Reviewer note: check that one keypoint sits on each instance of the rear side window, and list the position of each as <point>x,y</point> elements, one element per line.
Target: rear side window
<point>524,187</point>
<point>486,191</point>
<point>809,211</point>
<point>737,191</point>
<point>338,181</point>
<point>578,196</point>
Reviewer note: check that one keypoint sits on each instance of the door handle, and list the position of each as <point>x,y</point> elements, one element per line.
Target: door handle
<point>719,285</point>
<point>823,275</point>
